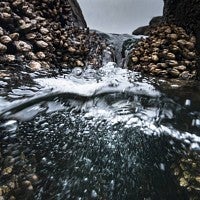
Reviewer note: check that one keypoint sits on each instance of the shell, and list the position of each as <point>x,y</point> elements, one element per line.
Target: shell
<point>35,66</point>
<point>3,48</point>
<point>5,39</point>
<point>170,49</point>
<point>22,46</point>
<point>40,55</point>
<point>42,44</point>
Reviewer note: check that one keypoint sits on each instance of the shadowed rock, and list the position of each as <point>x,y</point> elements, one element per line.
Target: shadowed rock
<point>184,13</point>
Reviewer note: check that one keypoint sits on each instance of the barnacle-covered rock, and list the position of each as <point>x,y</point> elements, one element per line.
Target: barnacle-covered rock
<point>169,45</point>
<point>3,48</point>
<point>186,173</point>
<point>48,31</point>
<point>22,46</point>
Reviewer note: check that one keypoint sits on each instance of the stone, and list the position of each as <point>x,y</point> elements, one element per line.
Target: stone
<point>80,63</point>
<point>44,30</point>
<point>31,36</point>
<point>42,44</point>
<point>3,48</point>
<point>164,48</point>
<point>10,58</point>
<point>35,66</point>
<point>186,17</point>
<point>135,59</point>
<point>22,46</point>
<point>5,39</point>
<point>183,182</point>
<point>71,49</point>
<point>155,58</point>
<point>40,55</point>
<point>14,36</point>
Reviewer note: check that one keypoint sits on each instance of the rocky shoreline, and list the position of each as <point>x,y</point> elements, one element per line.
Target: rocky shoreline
<point>52,34</point>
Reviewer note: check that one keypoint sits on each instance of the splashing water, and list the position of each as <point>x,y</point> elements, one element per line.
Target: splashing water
<point>101,134</point>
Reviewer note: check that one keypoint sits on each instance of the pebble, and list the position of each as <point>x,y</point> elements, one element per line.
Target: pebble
<point>23,46</point>
<point>35,66</point>
<point>5,39</point>
<point>41,44</point>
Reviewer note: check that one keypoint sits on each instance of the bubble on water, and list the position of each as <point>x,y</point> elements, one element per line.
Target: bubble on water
<point>162,166</point>
<point>10,126</point>
<point>195,146</point>
<point>94,194</point>
<point>112,184</point>
<point>85,179</point>
<point>187,102</point>
<point>77,71</point>
<point>44,160</point>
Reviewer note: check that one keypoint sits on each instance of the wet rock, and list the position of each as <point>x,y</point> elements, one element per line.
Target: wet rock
<point>22,46</point>
<point>3,48</point>
<point>186,17</point>
<point>9,58</point>
<point>171,51</point>
<point>5,39</point>
<point>41,44</point>
<point>35,66</point>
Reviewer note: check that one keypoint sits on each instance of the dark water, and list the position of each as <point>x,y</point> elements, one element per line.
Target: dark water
<point>103,134</point>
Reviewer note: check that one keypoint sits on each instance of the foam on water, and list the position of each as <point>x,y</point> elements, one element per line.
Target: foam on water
<point>107,80</point>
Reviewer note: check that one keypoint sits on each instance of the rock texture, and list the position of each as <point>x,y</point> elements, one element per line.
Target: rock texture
<point>168,52</point>
<point>184,13</point>
<point>46,34</point>
<point>144,30</point>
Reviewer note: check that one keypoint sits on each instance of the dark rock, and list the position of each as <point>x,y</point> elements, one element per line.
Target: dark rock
<point>184,13</point>
<point>156,21</point>
<point>144,30</point>
<point>78,13</point>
